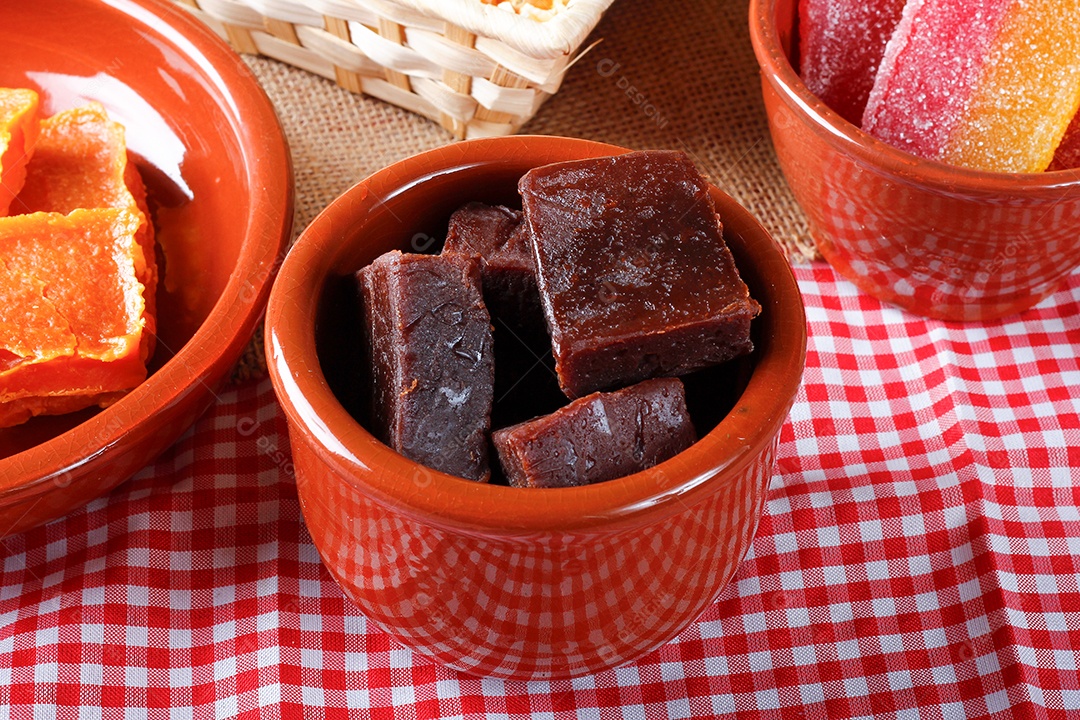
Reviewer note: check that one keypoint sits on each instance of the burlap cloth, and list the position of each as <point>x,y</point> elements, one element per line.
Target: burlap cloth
<point>678,75</point>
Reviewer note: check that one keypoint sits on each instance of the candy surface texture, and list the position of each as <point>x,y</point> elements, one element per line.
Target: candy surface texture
<point>18,135</point>
<point>508,272</point>
<point>429,354</point>
<point>599,437</point>
<point>81,161</point>
<point>841,43</point>
<point>984,84</point>
<point>71,311</point>
<point>634,276</point>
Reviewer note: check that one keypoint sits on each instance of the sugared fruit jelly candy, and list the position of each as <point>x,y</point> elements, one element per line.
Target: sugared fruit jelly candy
<point>984,84</point>
<point>71,311</point>
<point>81,161</point>
<point>841,43</point>
<point>18,133</point>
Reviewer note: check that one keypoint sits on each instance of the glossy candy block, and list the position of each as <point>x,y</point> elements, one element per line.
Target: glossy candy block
<point>476,228</point>
<point>508,272</point>
<point>18,133</point>
<point>599,437</point>
<point>841,43</point>
<point>989,85</point>
<point>634,276</point>
<point>510,280</point>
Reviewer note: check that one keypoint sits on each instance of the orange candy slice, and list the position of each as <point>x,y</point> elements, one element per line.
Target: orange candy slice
<point>987,84</point>
<point>71,311</point>
<point>1029,92</point>
<point>18,132</point>
<point>81,161</point>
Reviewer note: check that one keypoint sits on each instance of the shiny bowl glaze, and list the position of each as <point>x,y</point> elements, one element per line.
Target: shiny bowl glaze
<point>938,240</point>
<point>210,149</point>
<point>512,582</point>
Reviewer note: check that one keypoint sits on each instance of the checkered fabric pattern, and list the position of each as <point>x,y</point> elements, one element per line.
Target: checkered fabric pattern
<point>918,558</point>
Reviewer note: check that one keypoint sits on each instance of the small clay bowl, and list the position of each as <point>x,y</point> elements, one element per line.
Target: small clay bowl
<point>938,240</point>
<point>495,580</point>
<point>216,166</point>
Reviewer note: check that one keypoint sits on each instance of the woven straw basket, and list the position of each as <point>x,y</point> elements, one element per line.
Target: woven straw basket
<point>476,69</point>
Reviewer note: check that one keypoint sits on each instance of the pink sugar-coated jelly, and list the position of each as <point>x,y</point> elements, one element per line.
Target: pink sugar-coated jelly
<point>841,43</point>
<point>926,77</point>
<point>938,240</point>
<point>985,84</point>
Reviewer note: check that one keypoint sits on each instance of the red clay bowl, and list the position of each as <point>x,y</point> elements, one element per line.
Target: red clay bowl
<point>937,240</point>
<point>216,165</point>
<point>496,580</point>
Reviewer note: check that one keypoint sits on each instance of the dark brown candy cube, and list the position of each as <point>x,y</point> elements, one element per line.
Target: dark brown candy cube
<point>479,229</point>
<point>634,275</point>
<point>599,437</point>
<point>510,285</point>
<point>429,350</point>
<point>524,385</point>
<point>497,235</point>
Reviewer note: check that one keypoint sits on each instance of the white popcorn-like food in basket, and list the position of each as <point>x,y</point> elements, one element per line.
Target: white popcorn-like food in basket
<point>534,9</point>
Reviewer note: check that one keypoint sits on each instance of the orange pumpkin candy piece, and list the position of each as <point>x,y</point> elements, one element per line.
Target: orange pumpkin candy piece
<point>81,161</point>
<point>72,314</point>
<point>18,133</point>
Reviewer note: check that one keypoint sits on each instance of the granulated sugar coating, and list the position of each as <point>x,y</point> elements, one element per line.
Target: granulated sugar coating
<point>931,65</point>
<point>987,84</point>
<point>841,43</point>
<point>1028,93</point>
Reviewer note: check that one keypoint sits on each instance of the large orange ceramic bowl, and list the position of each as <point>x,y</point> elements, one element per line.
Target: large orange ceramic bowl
<point>937,240</point>
<point>494,580</point>
<point>215,162</point>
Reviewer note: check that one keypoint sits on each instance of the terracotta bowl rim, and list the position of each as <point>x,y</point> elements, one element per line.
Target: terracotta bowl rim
<point>320,422</point>
<point>777,69</point>
<point>251,116</point>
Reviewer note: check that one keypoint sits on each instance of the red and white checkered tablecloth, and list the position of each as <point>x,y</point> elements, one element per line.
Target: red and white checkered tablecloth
<point>919,558</point>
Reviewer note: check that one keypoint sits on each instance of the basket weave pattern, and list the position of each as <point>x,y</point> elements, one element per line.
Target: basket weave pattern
<point>485,76</point>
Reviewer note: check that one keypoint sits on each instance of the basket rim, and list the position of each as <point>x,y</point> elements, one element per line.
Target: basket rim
<point>541,39</point>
